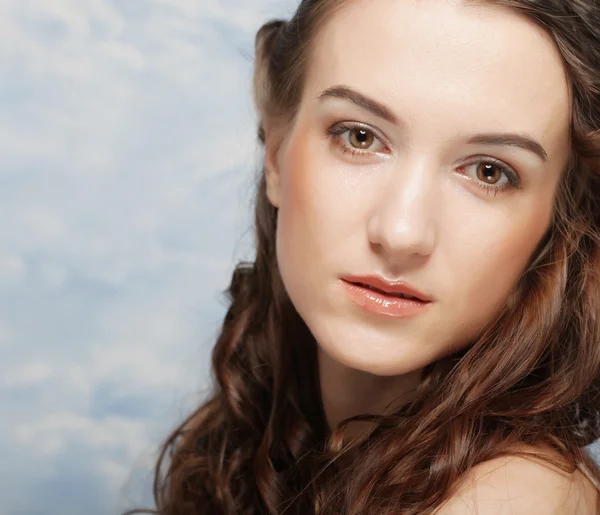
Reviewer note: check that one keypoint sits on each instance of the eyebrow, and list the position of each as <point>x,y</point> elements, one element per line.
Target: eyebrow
<point>346,93</point>
<point>382,111</point>
<point>511,140</point>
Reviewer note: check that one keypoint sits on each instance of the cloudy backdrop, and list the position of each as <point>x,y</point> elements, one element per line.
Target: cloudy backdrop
<point>127,158</point>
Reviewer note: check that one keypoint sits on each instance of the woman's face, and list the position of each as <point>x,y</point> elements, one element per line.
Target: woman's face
<point>427,148</point>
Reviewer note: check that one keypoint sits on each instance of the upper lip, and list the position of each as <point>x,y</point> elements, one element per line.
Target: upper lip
<point>386,286</point>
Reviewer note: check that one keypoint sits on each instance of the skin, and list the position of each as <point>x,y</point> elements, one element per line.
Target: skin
<point>413,206</point>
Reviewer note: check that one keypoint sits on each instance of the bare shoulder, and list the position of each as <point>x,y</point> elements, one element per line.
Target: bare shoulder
<point>518,486</point>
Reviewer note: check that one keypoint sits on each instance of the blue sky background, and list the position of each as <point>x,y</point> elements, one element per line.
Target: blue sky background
<point>127,158</point>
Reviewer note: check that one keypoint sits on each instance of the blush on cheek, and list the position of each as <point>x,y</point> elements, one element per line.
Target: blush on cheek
<point>293,227</point>
<point>301,187</point>
<point>294,186</point>
<point>513,254</point>
<point>524,243</point>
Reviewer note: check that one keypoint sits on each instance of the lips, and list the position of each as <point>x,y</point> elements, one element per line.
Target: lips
<point>383,302</point>
<point>392,288</point>
<point>391,294</point>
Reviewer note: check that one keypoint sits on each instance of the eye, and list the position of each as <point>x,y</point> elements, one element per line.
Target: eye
<point>357,139</point>
<point>491,174</point>
<point>361,138</point>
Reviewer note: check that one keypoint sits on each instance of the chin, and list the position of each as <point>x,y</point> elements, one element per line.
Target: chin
<point>373,354</point>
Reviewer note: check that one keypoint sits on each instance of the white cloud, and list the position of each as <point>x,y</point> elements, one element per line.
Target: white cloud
<point>12,268</point>
<point>27,374</point>
<point>127,151</point>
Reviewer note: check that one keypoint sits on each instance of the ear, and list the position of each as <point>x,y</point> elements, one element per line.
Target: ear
<point>272,169</point>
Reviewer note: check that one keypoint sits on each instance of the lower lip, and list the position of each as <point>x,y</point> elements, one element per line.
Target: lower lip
<point>382,304</point>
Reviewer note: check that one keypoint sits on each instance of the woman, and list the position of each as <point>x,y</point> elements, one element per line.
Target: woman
<point>427,262</point>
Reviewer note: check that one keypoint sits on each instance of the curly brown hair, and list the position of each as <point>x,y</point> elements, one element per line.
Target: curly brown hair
<point>260,443</point>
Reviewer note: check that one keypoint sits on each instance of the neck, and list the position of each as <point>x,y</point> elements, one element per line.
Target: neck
<point>347,392</point>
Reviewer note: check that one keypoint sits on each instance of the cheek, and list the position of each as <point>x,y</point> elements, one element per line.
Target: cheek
<point>493,262</point>
<point>318,204</point>
<point>304,206</point>
<point>299,207</point>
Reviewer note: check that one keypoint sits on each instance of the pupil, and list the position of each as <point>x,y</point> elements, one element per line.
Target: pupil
<point>361,138</point>
<point>488,171</point>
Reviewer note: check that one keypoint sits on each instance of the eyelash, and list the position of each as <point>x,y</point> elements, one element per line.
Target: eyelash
<point>342,128</point>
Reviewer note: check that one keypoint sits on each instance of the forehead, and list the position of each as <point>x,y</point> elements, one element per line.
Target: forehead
<point>445,64</point>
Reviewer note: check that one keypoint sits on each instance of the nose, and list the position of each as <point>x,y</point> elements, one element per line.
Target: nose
<point>401,224</point>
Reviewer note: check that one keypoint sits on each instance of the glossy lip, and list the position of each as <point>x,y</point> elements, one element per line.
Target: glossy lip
<point>383,304</point>
<point>385,286</point>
